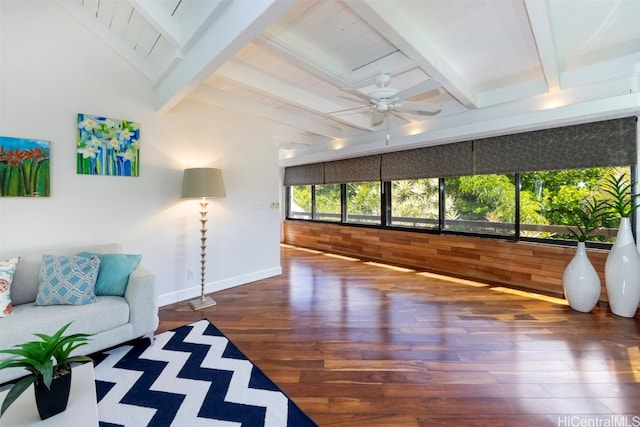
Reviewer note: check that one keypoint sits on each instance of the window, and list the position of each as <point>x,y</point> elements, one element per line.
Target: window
<point>548,198</point>
<point>414,203</point>
<point>328,204</point>
<point>542,208</point>
<point>363,203</point>
<point>482,204</point>
<point>300,202</point>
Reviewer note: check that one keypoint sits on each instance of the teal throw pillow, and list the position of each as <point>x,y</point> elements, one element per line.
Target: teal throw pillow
<point>67,280</point>
<point>114,272</point>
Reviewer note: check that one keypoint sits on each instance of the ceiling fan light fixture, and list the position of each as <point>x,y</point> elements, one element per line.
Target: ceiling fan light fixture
<point>382,106</point>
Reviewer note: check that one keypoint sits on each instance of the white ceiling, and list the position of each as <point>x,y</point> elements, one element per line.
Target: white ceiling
<point>490,66</point>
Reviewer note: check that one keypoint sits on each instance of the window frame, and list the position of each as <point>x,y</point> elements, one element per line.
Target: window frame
<point>386,207</point>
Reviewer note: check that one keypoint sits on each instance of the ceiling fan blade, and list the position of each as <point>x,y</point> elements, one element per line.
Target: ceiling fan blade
<point>350,110</point>
<point>402,116</point>
<point>418,107</point>
<point>377,118</point>
<point>356,93</point>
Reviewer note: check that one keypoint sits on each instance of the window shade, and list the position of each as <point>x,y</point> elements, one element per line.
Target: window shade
<point>360,169</point>
<point>598,144</point>
<point>430,162</point>
<point>304,175</point>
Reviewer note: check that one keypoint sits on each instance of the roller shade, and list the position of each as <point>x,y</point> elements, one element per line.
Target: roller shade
<point>598,144</point>
<point>304,175</point>
<point>360,169</point>
<point>430,162</point>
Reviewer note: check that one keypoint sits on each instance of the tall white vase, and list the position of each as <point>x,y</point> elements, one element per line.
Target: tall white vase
<point>622,273</point>
<point>580,282</point>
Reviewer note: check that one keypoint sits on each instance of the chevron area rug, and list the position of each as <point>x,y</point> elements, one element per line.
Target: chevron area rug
<point>192,376</point>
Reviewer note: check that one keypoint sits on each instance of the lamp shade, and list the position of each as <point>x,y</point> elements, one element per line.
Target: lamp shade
<point>202,183</point>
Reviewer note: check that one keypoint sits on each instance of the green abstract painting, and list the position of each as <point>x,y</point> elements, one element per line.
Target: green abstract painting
<point>108,146</point>
<point>24,167</point>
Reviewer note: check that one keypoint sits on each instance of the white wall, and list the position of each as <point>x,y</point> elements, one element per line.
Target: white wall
<point>51,68</point>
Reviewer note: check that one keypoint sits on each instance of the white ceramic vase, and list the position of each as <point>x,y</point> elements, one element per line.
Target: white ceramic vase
<point>580,282</point>
<point>622,273</point>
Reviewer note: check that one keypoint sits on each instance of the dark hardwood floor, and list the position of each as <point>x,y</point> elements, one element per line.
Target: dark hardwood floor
<point>362,344</point>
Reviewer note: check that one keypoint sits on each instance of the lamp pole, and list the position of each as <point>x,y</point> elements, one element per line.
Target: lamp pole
<point>202,183</point>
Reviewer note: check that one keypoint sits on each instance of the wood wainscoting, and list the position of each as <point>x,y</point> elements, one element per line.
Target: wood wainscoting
<point>522,264</point>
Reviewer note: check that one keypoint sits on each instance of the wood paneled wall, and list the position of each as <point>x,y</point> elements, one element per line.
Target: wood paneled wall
<point>522,264</point>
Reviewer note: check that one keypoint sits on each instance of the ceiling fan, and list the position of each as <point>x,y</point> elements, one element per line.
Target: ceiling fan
<point>384,99</point>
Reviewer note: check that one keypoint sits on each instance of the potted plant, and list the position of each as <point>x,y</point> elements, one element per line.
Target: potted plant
<point>622,269</point>
<point>48,361</point>
<point>580,281</point>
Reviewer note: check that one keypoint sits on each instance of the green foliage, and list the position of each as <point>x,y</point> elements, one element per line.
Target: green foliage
<point>415,198</point>
<point>301,198</point>
<point>621,202</point>
<point>550,199</point>
<point>482,196</point>
<point>328,198</point>
<point>363,198</point>
<point>587,219</point>
<point>38,358</point>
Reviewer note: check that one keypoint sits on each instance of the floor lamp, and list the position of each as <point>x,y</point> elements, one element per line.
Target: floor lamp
<point>203,184</point>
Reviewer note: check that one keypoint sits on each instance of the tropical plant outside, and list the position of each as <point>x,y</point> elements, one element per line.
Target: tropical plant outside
<point>486,203</point>
<point>326,207</point>
<point>363,202</point>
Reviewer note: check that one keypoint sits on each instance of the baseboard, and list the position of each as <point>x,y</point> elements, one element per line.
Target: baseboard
<point>194,291</point>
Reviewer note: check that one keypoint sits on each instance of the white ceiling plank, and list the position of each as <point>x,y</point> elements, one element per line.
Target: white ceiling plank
<point>110,38</point>
<point>543,35</point>
<point>507,93</point>
<point>158,18</point>
<point>225,99</point>
<point>134,29</point>
<point>401,30</point>
<point>395,63</point>
<point>625,66</point>
<point>120,18</point>
<point>238,24</point>
<point>286,92</point>
<point>202,15</point>
<point>286,135</point>
<point>105,12</point>
<point>306,56</point>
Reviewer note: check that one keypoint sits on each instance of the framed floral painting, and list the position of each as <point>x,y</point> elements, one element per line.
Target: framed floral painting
<point>24,167</point>
<point>107,146</point>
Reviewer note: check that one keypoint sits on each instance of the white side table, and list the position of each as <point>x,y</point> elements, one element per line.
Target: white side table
<point>82,409</point>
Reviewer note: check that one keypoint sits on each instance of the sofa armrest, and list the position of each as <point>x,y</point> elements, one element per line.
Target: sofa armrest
<point>143,303</point>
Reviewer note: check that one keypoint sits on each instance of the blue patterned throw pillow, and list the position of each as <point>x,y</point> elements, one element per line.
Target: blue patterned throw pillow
<point>67,280</point>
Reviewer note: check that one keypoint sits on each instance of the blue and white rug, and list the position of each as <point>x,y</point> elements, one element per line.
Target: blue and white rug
<point>192,376</point>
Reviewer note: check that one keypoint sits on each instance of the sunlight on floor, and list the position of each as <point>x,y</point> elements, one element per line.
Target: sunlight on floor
<point>311,251</point>
<point>553,300</point>
<point>467,282</point>
<point>389,267</point>
<point>453,279</point>
<point>634,360</point>
<point>345,258</point>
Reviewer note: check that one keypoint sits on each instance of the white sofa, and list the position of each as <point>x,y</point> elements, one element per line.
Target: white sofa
<point>110,321</point>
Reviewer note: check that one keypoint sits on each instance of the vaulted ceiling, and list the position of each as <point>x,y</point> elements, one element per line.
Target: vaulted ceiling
<point>456,67</point>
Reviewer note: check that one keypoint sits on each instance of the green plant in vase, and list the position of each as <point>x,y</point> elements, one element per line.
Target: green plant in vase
<point>580,281</point>
<point>621,201</point>
<point>46,359</point>
<point>622,269</point>
<point>588,219</point>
